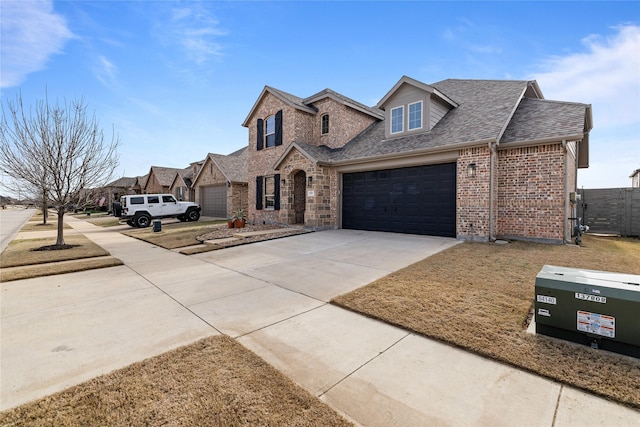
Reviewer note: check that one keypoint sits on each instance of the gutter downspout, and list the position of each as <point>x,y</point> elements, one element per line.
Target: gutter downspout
<point>492,150</point>
<point>565,196</point>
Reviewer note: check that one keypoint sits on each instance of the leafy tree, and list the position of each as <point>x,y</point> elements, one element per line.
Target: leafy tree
<point>56,150</point>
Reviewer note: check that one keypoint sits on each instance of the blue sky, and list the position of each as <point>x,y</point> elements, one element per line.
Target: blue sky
<point>176,79</point>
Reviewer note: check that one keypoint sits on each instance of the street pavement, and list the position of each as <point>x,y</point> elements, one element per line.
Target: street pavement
<point>11,221</point>
<point>273,298</point>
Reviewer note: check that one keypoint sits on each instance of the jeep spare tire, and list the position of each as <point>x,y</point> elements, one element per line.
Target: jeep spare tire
<point>142,220</point>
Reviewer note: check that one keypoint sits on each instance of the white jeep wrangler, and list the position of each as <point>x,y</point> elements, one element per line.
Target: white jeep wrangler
<point>139,209</point>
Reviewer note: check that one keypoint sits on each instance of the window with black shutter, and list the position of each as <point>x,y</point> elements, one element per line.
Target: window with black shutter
<point>268,192</point>
<point>276,192</point>
<point>260,129</point>
<point>278,130</point>
<point>269,131</point>
<point>259,193</point>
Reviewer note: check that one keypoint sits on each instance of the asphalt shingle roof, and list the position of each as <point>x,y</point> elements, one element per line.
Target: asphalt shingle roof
<point>123,182</point>
<point>538,119</point>
<point>485,107</point>
<point>233,166</point>
<point>164,175</point>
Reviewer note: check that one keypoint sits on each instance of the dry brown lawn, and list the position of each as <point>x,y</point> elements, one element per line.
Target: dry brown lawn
<point>477,296</point>
<point>214,382</point>
<point>108,221</point>
<point>19,261</point>
<point>178,235</point>
<point>39,226</point>
<point>50,269</point>
<point>20,252</point>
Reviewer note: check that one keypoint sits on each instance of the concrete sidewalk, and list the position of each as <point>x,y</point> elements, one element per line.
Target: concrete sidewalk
<point>272,296</point>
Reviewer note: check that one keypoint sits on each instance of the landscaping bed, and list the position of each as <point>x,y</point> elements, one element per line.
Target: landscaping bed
<point>226,232</point>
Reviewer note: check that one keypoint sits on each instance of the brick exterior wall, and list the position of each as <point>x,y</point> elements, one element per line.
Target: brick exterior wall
<point>154,187</point>
<point>531,195</point>
<point>472,193</point>
<point>237,198</point>
<point>321,208</point>
<point>209,175</point>
<point>344,123</point>
<point>237,194</point>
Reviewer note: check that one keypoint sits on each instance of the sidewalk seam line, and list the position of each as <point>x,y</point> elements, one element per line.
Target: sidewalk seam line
<point>363,365</point>
<point>555,413</point>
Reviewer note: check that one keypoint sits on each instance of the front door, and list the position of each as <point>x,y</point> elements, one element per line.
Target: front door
<point>299,195</point>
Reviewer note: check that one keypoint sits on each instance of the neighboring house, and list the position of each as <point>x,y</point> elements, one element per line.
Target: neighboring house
<point>635,178</point>
<point>220,186</point>
<point>182,184</point>
<point>159,180</point>
<point>472,159</point>
<point>117,188</point>
<point>140,183</point>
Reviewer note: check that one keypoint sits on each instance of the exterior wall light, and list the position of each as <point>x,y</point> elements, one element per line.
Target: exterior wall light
<point>471,170</point>
<point>283,181</point>
<point>310,179</point>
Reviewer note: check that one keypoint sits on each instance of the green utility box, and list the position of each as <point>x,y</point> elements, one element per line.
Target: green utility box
<point>597,308</point>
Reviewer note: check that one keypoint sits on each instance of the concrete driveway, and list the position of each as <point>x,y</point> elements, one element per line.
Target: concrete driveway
<point>272,296</point>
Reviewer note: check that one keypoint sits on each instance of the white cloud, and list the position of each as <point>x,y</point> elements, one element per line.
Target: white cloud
<point>195,30</point>
<point>31,33</point>
<point>606,75</point>
<point>105,71</point>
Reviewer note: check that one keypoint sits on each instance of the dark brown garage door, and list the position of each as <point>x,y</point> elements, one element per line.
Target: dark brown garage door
<point>214,201</point>
<point>415,200</point>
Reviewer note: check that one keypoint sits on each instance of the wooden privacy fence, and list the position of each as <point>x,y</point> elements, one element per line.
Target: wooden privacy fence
<point>611,210</point>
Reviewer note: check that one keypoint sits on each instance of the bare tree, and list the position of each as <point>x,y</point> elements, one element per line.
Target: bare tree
<point>56,149</point>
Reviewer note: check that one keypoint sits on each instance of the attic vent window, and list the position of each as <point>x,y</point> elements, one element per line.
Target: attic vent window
<point>397,119</point>
<point>415,115</point>
<point>324,125</point>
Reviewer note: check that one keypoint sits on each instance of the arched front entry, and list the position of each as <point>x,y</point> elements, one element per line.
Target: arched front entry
<point>299,196</point>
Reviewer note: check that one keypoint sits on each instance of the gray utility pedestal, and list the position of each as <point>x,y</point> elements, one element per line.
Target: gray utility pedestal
<point>597,308</point>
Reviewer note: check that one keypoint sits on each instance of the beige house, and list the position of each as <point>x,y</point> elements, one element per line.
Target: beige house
<point>472,159</point>
<point>115,189</point>
<point>182,184</point>
<point>159,180</point>
<point>220,186</point>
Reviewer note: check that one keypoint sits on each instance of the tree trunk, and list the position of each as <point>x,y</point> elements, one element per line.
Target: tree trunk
<point>44,212</point>
<point>60,239</point>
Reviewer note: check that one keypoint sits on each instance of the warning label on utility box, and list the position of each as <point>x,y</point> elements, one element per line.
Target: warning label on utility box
<point>599,324</point>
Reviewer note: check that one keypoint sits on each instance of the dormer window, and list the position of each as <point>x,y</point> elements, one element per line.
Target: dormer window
<point>415,115</point>
<point>397,119</point>
<point>324,125</point>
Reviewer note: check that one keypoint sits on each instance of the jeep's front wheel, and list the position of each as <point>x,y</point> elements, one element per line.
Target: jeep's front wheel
<point>142,220</point>
<point>193,215</point>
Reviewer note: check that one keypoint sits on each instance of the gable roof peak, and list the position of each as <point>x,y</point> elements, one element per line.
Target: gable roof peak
<point>415,83</point>
<point>344,100</point>
<point>285,97</point>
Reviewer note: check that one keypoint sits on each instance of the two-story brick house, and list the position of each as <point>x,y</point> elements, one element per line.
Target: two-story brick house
<point>472,159</point>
